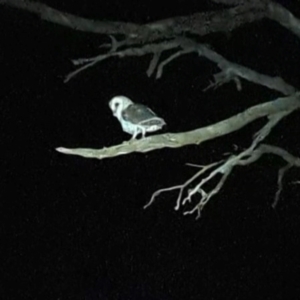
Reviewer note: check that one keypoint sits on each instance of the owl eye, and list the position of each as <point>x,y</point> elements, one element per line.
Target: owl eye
<point>116,105</point>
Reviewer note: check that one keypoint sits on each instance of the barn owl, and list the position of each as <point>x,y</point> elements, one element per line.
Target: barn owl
<point>135,118</point>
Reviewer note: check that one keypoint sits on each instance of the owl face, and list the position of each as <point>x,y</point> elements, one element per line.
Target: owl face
<point>119,103</point>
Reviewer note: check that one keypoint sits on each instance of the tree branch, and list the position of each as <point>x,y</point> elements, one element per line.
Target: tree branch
<point>230,71</point>
<point>200,23</point>
<point>175,140</point>
<point>278,13</point>
<point>226,20</point>
<point>68,20</point>
<point>246,157</point>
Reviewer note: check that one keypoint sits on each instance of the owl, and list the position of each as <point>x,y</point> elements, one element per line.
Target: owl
<point>135,118</point>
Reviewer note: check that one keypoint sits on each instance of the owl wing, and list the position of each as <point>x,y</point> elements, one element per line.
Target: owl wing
<point>142,115</point>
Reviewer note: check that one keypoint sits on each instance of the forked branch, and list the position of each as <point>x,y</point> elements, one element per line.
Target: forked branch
<point>246,157</point>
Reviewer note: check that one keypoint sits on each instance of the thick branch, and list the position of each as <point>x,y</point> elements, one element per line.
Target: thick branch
<point>284,17</point>
<point>217,21</point>
<point>68,20</point>
<point>231,71</point>
<point>200,23</point>
<point>198,136</point>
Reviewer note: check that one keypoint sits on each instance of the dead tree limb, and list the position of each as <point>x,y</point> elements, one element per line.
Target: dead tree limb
<point>269,109</point>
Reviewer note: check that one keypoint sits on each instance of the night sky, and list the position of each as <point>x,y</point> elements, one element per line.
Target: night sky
<point>75,228</point>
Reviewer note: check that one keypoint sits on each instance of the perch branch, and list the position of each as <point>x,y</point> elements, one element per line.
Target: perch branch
<point>271,109</point>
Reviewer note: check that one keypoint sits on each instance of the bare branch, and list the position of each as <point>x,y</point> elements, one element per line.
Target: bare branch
<point>281,173</point>
<point>205,23</point>
<point>274,110</point>
<point>181,187</point>
<point>199,23</point>
<point>230,71</point>
<point>153,63</point>
<point>68,20</point>
<point>226,168</point>
<point>246,157</point>
<point>169,59</point>
<point>133,51</point>
<point>291,160</point>
<point>284,17</point>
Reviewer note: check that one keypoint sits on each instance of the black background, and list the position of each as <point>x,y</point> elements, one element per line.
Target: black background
<point>75,228</point>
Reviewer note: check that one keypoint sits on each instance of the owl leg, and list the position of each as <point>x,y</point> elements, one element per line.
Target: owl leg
<point>135,133</point>
<point>143,132</point>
